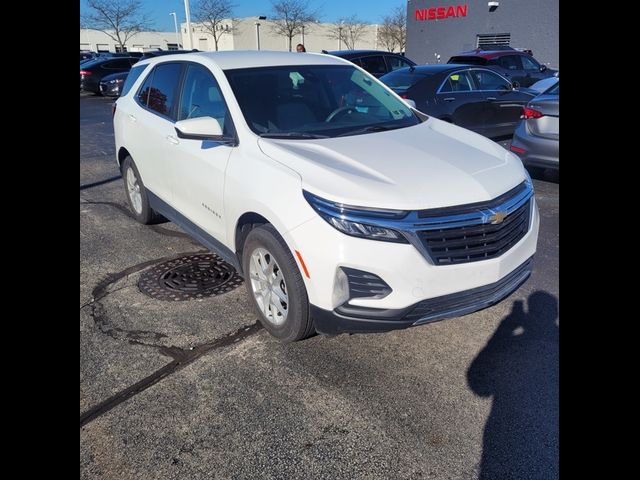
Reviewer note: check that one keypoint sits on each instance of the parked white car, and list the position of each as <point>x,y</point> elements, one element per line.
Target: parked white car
<point>344,209</point>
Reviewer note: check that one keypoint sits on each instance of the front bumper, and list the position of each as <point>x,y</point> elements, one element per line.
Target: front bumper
<point>362,319</point>
<point>411,277</point>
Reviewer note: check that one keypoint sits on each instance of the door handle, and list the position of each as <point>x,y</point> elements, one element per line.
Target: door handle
<point>132,118</point>
<point>449,99</point>
<point>172,139</point>
<point>491,98</point>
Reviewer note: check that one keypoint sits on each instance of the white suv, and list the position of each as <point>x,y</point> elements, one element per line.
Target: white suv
<point>344,209</point>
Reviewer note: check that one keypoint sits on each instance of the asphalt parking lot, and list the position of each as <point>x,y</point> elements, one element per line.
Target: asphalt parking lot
<point>197,389</point>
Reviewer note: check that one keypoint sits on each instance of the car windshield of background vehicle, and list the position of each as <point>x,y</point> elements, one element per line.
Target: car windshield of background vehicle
<point>529,64</point>
<point>316,101</point>
<point>555,90</point>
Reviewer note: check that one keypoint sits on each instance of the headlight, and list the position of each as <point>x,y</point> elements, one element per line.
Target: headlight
<point>114,81</point>
<point>359,222</point>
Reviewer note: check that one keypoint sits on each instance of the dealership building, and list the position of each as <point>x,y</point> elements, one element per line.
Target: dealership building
<point>436,31</point>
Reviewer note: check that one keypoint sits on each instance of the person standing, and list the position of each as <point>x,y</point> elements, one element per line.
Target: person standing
<point>300,48</point>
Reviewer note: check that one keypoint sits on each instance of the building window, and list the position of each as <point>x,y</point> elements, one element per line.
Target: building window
<point>121,49</point>
<point>488,39</point>
<point>172,46</point>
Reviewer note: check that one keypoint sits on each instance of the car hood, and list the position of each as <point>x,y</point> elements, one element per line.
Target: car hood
<point>433,164</point>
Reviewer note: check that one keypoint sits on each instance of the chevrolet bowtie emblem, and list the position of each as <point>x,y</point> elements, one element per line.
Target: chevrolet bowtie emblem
<point>497,217</point>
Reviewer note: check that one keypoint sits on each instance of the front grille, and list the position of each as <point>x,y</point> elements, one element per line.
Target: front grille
<point>448,246</point>
<point>461,303</point>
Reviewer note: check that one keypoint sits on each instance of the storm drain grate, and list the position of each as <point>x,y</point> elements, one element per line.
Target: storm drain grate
<point>189,277</point>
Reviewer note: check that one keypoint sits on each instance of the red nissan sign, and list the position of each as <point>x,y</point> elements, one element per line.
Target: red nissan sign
<point>440,13</point>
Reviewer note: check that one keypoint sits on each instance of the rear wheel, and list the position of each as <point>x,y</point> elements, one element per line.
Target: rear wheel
<point>137,194</point>
<point>275,285</point>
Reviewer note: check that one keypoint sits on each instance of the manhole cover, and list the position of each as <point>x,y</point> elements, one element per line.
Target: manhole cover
<point>192,276</point>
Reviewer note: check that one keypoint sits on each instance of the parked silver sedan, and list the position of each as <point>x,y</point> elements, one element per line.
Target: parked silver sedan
<point>537,137</point>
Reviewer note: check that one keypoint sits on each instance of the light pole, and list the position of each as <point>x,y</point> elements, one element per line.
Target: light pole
<point>258,34</point>
<point>175,23</point>
<point>340,36</point>
<point>188,16</point>
<point>302,41</point>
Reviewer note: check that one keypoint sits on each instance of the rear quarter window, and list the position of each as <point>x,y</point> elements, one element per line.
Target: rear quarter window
<point>134,74</point>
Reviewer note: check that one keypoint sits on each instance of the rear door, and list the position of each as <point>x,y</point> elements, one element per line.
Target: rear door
<point>152,125</point>
<point>502,104</point>
<point>460,102</point>
<point>374,64</point>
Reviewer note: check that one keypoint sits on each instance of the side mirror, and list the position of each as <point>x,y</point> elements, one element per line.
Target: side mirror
<point>515,85</point>
<point>410,102</point>
<point>202,128</point>
<point>543,68</point>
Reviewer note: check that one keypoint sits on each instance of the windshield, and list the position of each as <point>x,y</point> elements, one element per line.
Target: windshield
<point>555,90</point>
<point>316,101</point>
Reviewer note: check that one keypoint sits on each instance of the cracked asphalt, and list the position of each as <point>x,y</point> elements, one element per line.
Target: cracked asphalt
<point>197,389</point>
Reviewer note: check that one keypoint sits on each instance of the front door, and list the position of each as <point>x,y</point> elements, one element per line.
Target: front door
<point>460,102</point>
<point>198,166</point>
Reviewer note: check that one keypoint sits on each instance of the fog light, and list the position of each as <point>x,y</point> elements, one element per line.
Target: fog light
<point>340,288</point>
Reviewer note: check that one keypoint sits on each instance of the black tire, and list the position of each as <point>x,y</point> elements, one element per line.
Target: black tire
<point>147,215</point>
<point>298,323</point>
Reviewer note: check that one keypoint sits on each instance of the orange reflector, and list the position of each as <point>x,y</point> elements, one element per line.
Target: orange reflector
<point>304,267</point>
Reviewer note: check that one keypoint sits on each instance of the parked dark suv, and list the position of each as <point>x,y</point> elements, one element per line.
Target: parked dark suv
<point>513,64</point>
<point>375,62</point>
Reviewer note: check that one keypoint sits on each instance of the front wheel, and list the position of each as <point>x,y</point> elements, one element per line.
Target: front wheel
<point>275,285</point>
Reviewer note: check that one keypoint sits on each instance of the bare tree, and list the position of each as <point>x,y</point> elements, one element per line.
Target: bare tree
<point>119,19</point>
<point>291,16</point>
<point>211,15</point>
<point>349,30</point>
<point>392,33</point>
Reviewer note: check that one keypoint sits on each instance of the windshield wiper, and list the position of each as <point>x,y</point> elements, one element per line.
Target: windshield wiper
<point>370,129</point>
<point>292,135</point>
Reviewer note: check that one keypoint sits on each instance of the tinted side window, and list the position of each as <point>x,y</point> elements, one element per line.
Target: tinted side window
<point>374,64</point>
<point>395,63</point>
<point>458,82</point>
<point>530,64</point>
<point>356,61</point>
<point>490,81</point>
<point>201,96</point>
<point>162,91</point>
<point>143,93</point>
<point>134,73</point>
<point>510,62</point>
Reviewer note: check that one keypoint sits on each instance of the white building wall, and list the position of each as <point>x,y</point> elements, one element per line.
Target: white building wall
<point>95,40</point>
<point>243,37</point>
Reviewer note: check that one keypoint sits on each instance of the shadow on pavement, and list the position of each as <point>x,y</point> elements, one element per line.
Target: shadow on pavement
<point>518,367</point>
